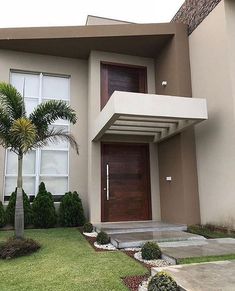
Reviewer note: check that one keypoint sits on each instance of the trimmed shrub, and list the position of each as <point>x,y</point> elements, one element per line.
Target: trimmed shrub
<point>102,238</point>
<point>71,211</point>
<point>162,281</point>
<point>14,248</point>
<point>10,210</point>
<point>87,227</point>
<point>43,208</point>
<point>2,215</point>
<point>151,251</point>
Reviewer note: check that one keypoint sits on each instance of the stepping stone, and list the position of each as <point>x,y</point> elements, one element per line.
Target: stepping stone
<point>193,249</point>
<point>214,276</point>
<point>137,239</point>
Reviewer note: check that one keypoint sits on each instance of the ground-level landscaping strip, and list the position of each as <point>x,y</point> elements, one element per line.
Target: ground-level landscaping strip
<point>66,262</point>
<point>205,259</point>
<point>210,231</point>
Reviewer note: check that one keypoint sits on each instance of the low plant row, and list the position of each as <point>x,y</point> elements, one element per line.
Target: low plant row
<point>42,213</point>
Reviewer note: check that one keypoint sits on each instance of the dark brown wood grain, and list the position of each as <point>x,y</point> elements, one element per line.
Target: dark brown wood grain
<point>118,77</point>
<point>129,183</point>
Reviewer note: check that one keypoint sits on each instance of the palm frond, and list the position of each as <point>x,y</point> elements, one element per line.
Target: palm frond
<point>12,101</point>
<point>24,134</point>
<point>5,125</point>
<point>48,112</point>
<point>55,136</point>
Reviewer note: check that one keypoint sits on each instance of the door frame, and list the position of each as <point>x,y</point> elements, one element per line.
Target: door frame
<point>103,185</point>
<point>143,80</point>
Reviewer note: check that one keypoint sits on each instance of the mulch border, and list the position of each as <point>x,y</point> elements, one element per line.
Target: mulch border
<point>132,282</point>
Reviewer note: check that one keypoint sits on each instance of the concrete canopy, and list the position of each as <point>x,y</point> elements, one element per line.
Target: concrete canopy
<point>148,115</point>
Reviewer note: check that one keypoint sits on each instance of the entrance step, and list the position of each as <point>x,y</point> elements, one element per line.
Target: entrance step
<point>138,226</point>
<point>137,239</point>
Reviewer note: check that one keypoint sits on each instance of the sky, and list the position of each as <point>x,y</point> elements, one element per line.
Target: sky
<point>23,13</point>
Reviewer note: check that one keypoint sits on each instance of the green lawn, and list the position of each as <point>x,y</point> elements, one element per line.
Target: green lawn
<point>206,259</point>
<point>209,233</point>
<point>66,262</point>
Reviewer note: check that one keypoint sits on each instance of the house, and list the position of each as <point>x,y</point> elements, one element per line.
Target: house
<point>147,150</point>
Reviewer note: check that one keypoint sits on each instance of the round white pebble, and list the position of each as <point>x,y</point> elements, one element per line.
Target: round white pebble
<point>155,263</point>
<point>108,247</point>
<point>90,234</point>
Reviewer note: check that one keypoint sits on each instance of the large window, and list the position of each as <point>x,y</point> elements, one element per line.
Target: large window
<point>49,164</point>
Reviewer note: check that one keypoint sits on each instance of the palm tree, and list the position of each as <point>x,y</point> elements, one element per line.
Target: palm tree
<point>21,134</point>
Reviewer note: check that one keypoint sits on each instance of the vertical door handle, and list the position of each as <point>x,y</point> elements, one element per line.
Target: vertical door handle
<point>107,181</point>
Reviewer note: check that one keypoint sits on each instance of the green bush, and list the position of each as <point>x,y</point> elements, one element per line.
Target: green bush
<point>10,211</point>
<point>2,215</point>
<point>151,251</point>
<point>88,227</point>
<point>71,210</point>
<point>102,238</point>
<point>14,248</point>
<point>162,281</point>
<point>43,208</point>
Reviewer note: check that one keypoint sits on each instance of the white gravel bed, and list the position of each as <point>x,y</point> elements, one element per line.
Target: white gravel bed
<point>154,263</point>
<point>90,234</point>
<point>144,285</point>
<point>108,247</point>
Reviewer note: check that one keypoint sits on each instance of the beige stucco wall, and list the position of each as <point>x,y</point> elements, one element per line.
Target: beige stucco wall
<point>94,162</point>
<point>77,69</point>
<point>212,56</point>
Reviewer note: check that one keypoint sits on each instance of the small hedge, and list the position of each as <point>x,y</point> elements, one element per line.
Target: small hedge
<point>14,248</point>
<point>87,227</point>
<point>162,281</point>
<point>44,214</point>
<point>10,210</point>
<point>102,238</point>
<point>71,211</point>
<point>2,215</point>
<point>151,251</point>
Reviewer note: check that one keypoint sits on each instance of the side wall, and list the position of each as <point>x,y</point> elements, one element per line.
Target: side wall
<point>94,152</point>
<point>177,155</point>
<point>77,69</point>
<point>212,55</point>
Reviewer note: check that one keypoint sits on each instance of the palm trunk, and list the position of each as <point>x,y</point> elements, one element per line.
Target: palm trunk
<point>19,207</point>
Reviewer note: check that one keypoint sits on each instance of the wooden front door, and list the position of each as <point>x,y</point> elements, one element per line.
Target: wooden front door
<point>125,184</point>
<point>117,77</point>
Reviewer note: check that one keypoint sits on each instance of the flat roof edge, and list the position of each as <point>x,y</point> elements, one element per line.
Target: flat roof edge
<point>90,31</point>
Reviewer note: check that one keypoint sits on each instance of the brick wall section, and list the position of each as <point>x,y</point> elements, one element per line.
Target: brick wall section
<point>193,12</point>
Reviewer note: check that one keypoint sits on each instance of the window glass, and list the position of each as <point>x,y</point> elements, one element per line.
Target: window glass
<point>61,144</point>
<point>49,164</point>
<point>29,163</point>
<point>54,162</point>
<point>55,88</point>
<point>29,83</point>
<point>30,105</point>
<point>56,185</point>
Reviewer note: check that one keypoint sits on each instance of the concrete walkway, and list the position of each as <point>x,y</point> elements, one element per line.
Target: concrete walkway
<point>214,276</point>
<point>199,248</point>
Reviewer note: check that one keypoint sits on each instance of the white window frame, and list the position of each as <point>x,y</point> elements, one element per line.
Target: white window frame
<point>37,174</point>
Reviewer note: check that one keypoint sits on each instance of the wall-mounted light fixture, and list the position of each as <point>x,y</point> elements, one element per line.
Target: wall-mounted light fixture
<point>164,83</point>
<point>168,179</point>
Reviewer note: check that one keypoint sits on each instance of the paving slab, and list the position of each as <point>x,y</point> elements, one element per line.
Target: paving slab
<point>199,248</point>
<point>137,239</point>
<point>213,276</point>
<point>138,226</point>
